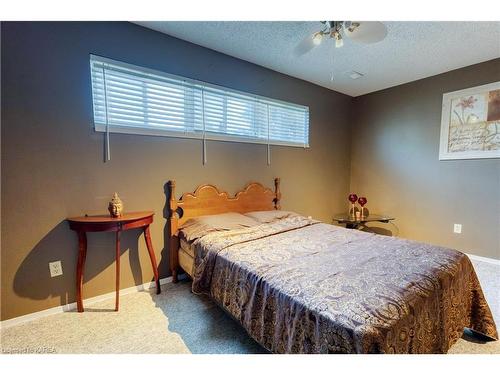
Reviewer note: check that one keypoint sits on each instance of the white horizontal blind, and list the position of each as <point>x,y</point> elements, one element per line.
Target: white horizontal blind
<point>131,99</point>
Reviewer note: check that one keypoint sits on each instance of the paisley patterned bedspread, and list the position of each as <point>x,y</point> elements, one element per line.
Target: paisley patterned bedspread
<point>300,286</point>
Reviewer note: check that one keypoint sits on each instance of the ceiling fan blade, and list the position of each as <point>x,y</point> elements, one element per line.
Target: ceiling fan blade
<point>304,46</point>
<point>367,32</point>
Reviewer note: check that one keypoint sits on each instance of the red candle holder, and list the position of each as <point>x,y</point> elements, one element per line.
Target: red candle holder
<point>362,201</point>
<point>353,199</point>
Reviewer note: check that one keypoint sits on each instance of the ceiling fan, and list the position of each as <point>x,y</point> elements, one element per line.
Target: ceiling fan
<point>363,32</point>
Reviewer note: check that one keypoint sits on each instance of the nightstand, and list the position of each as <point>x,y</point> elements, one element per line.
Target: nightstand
<point>354,223</point>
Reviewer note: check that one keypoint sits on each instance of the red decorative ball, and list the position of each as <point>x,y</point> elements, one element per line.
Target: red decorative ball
<point>353,198</point>
<point>362,201</point>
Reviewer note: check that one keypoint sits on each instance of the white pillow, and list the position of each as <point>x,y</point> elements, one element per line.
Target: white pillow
<point>199,226</point>
<point>269,216</point>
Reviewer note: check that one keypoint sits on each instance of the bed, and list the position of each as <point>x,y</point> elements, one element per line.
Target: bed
<point>301,286</point>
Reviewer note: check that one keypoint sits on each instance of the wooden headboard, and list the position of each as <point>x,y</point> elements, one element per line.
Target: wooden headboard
<point>209,200</point>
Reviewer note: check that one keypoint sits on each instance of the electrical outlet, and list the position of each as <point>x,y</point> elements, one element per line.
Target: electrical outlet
<point>55,268</point>
<point>457,228</point>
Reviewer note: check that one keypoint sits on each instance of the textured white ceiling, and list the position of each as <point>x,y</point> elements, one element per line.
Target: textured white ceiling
<point>411,50</point>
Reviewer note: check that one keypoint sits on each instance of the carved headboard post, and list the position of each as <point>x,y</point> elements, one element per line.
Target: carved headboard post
<point>277,192</point>
<point>173,222</point>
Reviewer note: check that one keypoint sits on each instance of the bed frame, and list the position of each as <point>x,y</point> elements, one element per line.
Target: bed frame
<point>209,200</point>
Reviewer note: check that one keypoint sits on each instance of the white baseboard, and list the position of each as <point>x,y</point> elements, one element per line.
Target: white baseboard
<point>72,306</point>
<point>484,259</point>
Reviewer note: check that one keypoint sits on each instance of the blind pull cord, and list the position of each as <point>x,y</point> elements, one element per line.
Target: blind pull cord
<point>203,120</point>
<point>306,122</point>
<point>268,145</point>
<point>108,150</point>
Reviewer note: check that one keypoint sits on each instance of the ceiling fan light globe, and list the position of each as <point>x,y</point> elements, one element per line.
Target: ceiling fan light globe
<point>339,42</point>
<point>317,38</point>
<point>366,32</point>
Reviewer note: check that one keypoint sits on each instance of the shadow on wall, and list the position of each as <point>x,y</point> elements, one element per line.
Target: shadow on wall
<point>389,229</point>
<point>164,263</point>
<point>32,279</point>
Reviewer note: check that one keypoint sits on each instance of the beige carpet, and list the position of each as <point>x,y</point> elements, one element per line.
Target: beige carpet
<point>176,321</point>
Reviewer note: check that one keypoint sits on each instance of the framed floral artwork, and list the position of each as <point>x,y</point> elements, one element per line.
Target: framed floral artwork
<point>470,123</point>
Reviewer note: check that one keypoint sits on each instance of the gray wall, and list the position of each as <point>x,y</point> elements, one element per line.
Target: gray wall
<point>395,147</point>
<point>52,160</point>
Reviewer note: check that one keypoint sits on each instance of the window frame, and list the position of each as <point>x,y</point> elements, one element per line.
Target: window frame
<point>196,134</point>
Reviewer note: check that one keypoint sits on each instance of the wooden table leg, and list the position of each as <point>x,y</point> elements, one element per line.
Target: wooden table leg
<point>117,299</point>
<point>82,254</point>
<point>149,245</point>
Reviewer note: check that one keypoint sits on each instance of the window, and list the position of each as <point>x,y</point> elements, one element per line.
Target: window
<point>131,99</point>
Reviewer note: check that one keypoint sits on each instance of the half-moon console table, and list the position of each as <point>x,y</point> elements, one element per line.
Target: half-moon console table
<point>105,223</point>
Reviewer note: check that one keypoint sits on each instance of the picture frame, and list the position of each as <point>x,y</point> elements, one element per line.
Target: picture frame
<point>470,123</point>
